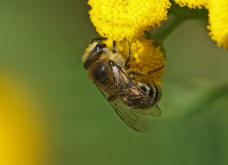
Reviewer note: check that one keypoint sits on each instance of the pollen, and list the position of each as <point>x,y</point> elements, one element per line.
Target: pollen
<point>147,58</point>
<point>193,4</point>
<point>127,19</point>
<point>218,21</point>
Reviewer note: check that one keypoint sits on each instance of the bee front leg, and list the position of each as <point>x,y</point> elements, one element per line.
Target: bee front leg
<point>132,73</point>
<point>127,62</point>
<point>114,50</point>
<point>155,70</point>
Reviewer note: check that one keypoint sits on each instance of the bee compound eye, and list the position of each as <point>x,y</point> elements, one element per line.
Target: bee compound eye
<point>99,47</point>
<point>101,74</point>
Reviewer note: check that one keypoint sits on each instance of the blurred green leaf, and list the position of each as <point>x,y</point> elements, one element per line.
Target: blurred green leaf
<point>190,100</point>
<point>210,98</point>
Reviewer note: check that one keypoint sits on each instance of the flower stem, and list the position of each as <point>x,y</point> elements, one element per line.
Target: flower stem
<point>165,30</point>
<point>176,16</point>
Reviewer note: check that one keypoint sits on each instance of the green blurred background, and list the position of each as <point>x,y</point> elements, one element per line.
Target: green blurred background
<point>41,43</point>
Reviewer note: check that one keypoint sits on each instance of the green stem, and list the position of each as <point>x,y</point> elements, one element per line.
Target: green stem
<point>188,13</point>
<point>166,29</point>
<point>176,16</point>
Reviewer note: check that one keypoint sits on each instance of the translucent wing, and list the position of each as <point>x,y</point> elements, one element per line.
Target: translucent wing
<point>132,119</point>
<point>154,111</point>
<point>119,75</point>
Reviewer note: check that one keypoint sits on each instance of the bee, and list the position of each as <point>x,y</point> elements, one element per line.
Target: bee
<point>133,100</point>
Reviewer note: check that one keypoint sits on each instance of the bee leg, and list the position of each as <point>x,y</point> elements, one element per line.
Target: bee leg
<point>110,98</point>
<point>114,47</point>
<point>127,62</point>
<point>136,73</point>
<point>155,70</point>
<point>133,73</point>
<point>98,39</point>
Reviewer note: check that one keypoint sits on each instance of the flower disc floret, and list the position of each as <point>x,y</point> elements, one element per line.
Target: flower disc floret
<point>126,19</point>
<point>146,55</point>
<point>193,4</point>
<point>218,21</point>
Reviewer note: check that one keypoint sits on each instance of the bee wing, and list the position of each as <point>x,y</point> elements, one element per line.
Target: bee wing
<point>129,117</point>
<point>154,111</point>
<point>132,119</point>
<point>121,79</point>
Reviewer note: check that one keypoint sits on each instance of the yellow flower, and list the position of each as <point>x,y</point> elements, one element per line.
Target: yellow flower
<point>21,136</point>
<point>193,4</point>
<point>126,19</point>
<point>218,21</point>
<point>147,56</point>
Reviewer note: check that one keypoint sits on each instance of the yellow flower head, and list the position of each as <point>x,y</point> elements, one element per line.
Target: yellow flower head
<point>126,19</point>
<point>147,57</point>
<point>193,4</point>
<point>22,135</point>
<point>218,20</point>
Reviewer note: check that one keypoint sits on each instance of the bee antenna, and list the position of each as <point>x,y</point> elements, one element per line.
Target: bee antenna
<point>98,39</point>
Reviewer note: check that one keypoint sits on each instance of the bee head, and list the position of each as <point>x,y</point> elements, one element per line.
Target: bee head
<point>93,53</point>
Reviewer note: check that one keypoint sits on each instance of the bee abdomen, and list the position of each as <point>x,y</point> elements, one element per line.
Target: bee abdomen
<point>154,93</point>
